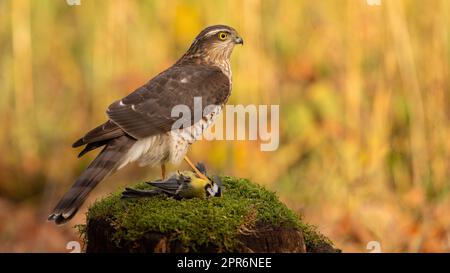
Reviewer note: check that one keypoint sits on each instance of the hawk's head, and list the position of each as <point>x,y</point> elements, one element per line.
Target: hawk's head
<point>214,44</point>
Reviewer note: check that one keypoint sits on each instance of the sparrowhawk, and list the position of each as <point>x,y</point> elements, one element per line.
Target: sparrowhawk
<point>140,126</point>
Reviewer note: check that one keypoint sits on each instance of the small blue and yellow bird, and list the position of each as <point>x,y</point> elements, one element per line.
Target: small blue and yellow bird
<point>181,185</point>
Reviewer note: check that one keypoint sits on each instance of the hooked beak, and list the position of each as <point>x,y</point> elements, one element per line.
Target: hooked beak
<point>238,40</point>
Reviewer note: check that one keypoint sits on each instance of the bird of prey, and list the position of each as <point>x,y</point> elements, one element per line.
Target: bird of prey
<point>140,127</point>
<point>182,185</point>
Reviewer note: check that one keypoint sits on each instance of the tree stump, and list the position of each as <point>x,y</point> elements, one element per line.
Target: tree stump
<point>248,218</point>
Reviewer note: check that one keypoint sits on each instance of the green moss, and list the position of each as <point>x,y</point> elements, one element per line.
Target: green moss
<point>199,222</point>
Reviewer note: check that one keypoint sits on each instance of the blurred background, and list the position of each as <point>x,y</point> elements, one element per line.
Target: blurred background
<point>364,103</point>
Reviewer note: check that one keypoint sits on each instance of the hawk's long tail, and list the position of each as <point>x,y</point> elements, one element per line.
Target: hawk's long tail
<point>103,165</point>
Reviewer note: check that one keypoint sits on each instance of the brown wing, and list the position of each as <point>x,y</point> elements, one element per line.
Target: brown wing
<point>98,137</point>
<point>106,131</point>
<point>147,111</point>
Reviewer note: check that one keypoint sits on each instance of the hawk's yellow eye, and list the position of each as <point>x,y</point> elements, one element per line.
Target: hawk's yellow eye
<point>223,35</point>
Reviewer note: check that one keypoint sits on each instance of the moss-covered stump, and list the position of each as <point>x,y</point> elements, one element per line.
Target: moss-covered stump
<point>248,218</point>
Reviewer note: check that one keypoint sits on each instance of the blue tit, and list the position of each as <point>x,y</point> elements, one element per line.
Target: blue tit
<point>182,185</point>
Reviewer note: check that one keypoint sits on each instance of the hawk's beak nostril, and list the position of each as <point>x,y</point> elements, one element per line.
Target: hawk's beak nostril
<point>238,40</point>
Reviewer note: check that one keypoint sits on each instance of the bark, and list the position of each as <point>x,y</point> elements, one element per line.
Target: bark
<point>262,239</point>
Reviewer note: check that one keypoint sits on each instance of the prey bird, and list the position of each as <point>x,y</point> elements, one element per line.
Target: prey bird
<point>182,185</point>
<point>141,127</point>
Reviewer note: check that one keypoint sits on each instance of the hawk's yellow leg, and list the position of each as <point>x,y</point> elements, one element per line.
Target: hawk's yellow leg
<point>199,173</point>
<point>163,171</point>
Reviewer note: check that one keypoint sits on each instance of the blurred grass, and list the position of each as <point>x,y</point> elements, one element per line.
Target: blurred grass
<point>363,93</point>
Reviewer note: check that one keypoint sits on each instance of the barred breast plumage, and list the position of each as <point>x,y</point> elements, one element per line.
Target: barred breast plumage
<point>171,146</point>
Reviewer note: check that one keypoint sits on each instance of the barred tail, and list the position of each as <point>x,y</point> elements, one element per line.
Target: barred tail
<point>103,165</point>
